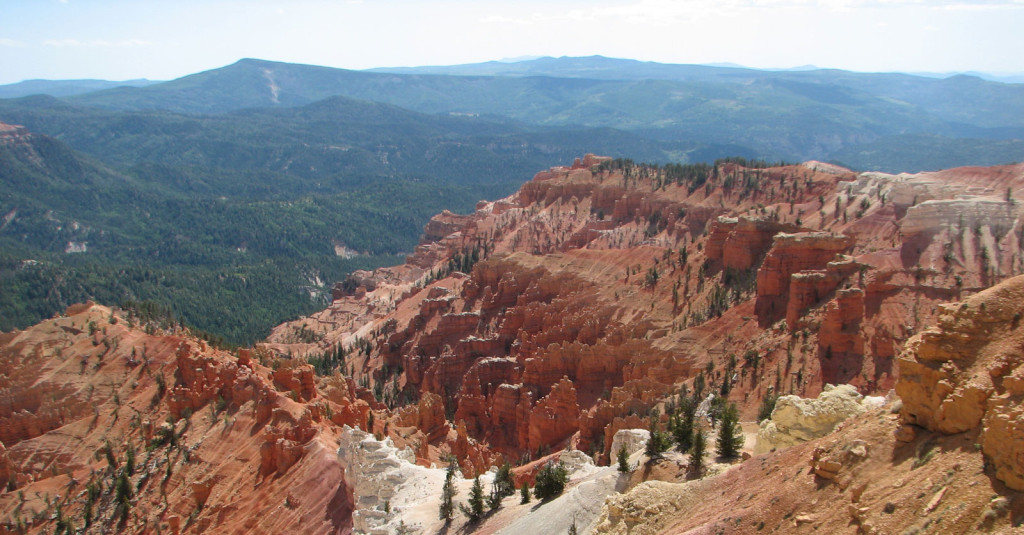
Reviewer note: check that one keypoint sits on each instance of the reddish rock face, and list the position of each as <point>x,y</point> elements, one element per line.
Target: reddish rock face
<point>554,417</point>
<point>741,243</point>
<point>790,255</point>
<point>628,282</point>
<point>968,373</point>
<point>595,294</point>
<point>214,426</point>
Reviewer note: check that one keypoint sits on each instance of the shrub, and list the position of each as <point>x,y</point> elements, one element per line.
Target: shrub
<point>767,406</point>
<point>551,481</point>
<point>524,493</point>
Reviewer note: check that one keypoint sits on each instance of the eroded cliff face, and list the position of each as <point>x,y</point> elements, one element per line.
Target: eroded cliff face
<point>220,442</point>
<point>555,317</point>
<point>561,314</point>
<point>967,375</point>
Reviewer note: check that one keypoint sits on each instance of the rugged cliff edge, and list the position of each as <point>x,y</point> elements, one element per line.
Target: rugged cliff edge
<point>558,315</point>
<point>553,319</point>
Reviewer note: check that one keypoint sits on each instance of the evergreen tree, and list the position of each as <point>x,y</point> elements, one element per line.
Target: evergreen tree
<point>475,511</point>
<point>767,406</point>
<point>524,493</point>
<point>502,486</point>
<point>551,481</point>
<point>503,483</point>
<point>682,430</point>
<point>730,435</point>
<point>448,492</point>
<point>129,460</point>
<point>658,443</point>
<point>623,459</point>
<point>697,452</point>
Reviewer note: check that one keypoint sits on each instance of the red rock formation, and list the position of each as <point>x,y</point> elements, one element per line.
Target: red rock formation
<point>789,255</point>
<point>554,417</point>
<point>606,275</point>
<point>223,427</point>
<point>740,243</point>
<point>966,374</point>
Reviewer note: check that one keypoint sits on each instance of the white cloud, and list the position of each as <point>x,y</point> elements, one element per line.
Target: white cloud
<point>11,43</point>
<point>95,43</point>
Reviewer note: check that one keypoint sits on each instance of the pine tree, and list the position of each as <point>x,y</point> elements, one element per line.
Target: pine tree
<point>475,511</point>
<point>551,481</point>
<point>658,443</point>
<point>697,452</point>
<point>524,493</point>
<point>682,430</point>
<point>623,457</point>
<point>502,486</point>
<point>129,460</point>
<point>730,435</point>
<point>448,492</point>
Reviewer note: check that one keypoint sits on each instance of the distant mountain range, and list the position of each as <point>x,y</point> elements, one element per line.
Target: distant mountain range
<point>260,169</point>
<point>791,115</point>
<point>65,88</point>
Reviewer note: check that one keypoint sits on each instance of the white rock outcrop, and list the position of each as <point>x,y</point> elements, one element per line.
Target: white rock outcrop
<point>635,440</point>
<point>797,419</point>
<point>379,474</point>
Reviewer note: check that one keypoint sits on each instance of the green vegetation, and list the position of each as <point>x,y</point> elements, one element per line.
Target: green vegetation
<point>502,486</point>
<point>475,510</point>
<point>551,481</point>
<point>623,459</point>
<point>682,423</point>
<point>730,435</point>
<point>659,442</point>
<point>767,406</point>
<point>448,492</point>
<point>697,452</point>
<point>232,221</point>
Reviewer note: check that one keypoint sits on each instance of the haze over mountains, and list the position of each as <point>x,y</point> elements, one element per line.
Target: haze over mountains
<point>260,161</point>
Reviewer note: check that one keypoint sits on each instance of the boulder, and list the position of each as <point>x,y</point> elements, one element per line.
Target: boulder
<point>797,420</point>
<point>634,440</point>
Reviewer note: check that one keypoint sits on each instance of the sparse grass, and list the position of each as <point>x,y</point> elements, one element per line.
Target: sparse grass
<point>925,452</point>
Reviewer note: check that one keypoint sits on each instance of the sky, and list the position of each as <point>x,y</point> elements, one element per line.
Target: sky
<point>162,40</point>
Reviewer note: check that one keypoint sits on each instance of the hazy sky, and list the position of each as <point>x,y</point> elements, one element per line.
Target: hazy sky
<point>117,40</point>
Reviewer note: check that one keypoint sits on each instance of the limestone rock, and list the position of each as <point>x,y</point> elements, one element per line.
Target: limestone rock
<point>633,439</point>
<point>796,419</point>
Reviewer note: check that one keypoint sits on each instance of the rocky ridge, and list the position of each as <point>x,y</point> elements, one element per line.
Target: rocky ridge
<point>557,318</point>
<point>557,315</point>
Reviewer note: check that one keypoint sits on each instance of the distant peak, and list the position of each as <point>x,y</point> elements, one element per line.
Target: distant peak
<point>520,59</point>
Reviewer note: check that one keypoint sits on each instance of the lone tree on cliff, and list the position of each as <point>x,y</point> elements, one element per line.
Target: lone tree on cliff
<point>730,434</point>
<point>448,492</point>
